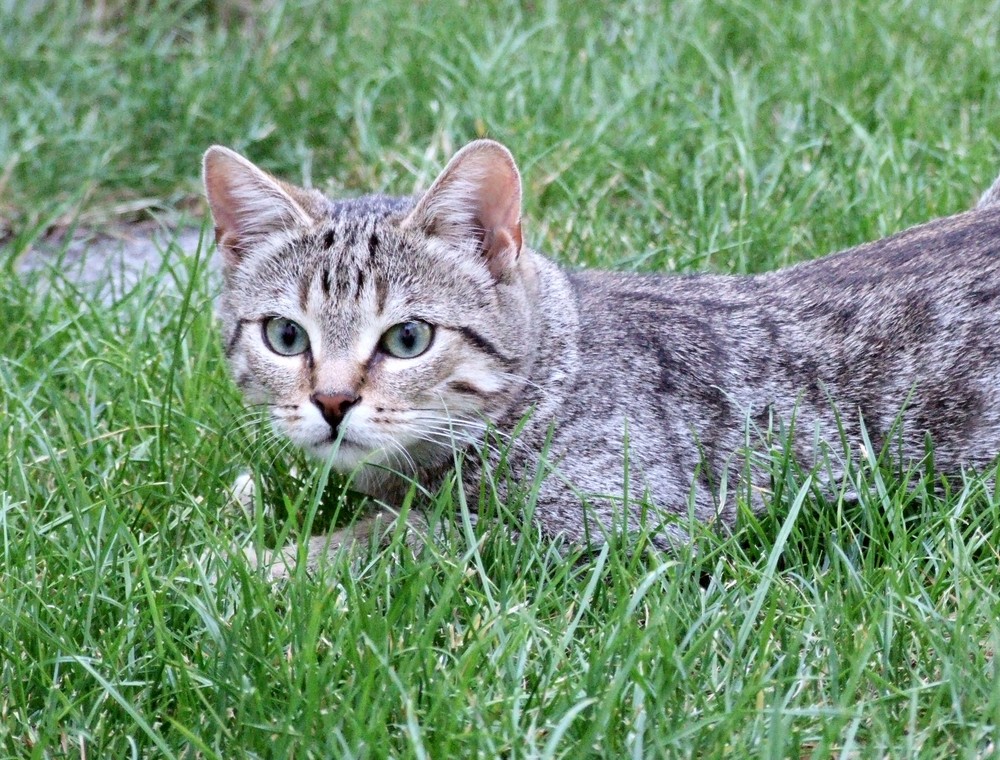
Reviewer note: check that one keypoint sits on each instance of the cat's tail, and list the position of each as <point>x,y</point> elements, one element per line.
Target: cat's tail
<point>992,196</point>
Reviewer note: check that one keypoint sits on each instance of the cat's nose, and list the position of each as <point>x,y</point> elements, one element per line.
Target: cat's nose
<point>334,406</point>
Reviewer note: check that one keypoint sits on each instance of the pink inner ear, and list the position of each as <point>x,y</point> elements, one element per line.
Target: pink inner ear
<point>500,215</point>
<point>499,199</point>
<point>230,245</point>
<point>224,174</point>
<point>218,181</point>
<point>246,203</point>
<point>500,250</point>
<point>477,197</point>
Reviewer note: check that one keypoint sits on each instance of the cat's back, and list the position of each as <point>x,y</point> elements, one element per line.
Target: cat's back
<point>952,262</point>
<point>883,313</point>
<point>956,247</point>
<point>913,319</point>
<point>931,289</point>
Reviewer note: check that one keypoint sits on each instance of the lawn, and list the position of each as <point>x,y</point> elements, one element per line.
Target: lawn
<point>723,136</point>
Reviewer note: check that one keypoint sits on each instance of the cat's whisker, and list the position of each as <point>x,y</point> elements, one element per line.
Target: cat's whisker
<point>477,428</point>
<point>444,418</point>
<point>452,424</point>
<point>249,429</point>
<point>450,438</point>
<point>521,379</point>
<point>462,433</point>
<point>444,415</point>
<point>396,450</point>
<point>439,415</point>
<point>445,438</point>
<point>251,440</point>
<point>441,440</point>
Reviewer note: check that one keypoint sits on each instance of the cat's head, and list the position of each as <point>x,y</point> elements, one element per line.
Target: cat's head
<point>397,325</point>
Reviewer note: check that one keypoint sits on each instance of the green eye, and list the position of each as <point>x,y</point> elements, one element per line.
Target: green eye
<point>285,337</point>
<point>407,339</point>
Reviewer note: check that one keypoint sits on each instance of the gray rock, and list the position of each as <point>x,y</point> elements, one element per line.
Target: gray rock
<point>106,265</point>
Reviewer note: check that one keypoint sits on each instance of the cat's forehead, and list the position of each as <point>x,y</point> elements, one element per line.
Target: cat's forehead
<point>361,238</point>
<point>371,207</point>
<point>357,234</point>
<point>364,242</point>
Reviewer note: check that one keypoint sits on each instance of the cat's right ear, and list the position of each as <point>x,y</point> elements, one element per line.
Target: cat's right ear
<point>247,203</point>
<point>477,201</point>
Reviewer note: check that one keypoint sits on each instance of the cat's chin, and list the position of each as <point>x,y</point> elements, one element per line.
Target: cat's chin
<point>346,456</point>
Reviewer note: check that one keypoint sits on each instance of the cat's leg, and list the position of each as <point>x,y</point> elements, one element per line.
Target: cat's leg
<point>242,492</point>
<point>376,526</point>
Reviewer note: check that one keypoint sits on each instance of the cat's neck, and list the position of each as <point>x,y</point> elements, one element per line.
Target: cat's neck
<point>555,360</point>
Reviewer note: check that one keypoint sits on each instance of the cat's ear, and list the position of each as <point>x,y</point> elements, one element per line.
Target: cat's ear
<point>247,203</point>
<point>476,199</point>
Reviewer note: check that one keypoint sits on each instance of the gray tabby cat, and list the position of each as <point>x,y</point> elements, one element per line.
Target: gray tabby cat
<point>385,332</point>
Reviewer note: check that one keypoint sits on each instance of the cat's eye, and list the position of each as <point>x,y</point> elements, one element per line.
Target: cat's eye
<point>407,339</point>
<point>285,337</point>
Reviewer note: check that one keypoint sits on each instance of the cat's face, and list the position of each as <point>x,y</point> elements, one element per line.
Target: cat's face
<point>376,332</point>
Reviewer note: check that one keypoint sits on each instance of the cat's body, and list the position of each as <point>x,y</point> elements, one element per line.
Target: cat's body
<point>673,374</point>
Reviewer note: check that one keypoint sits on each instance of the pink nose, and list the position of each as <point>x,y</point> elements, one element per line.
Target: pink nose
<point>334,406</point>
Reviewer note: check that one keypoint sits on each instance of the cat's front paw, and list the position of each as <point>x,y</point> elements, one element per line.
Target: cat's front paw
<point>275,563</point>
<point>242,493</point>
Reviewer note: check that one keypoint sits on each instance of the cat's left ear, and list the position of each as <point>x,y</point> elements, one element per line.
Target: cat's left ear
<point>477,199</point>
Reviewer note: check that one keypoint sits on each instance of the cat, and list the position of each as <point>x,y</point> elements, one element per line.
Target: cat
<point>388,332</point>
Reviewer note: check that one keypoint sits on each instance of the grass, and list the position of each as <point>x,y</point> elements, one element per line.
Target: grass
<point>697,135</point>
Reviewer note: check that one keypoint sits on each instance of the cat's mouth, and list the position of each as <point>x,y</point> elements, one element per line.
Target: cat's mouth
<point>345,453</point>
<point>330,443</point>
<point>342,455</point>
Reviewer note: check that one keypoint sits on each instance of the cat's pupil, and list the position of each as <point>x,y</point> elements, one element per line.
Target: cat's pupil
<point>408,336</point>
<point>288,335</point>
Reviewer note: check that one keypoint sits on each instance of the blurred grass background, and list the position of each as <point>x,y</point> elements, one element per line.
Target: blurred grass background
<point>730,135</point>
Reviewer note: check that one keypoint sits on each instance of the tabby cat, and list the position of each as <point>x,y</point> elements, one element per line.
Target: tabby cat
<point>385,333</point>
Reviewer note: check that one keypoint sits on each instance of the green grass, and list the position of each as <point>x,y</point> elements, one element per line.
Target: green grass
<point>699,135</point>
